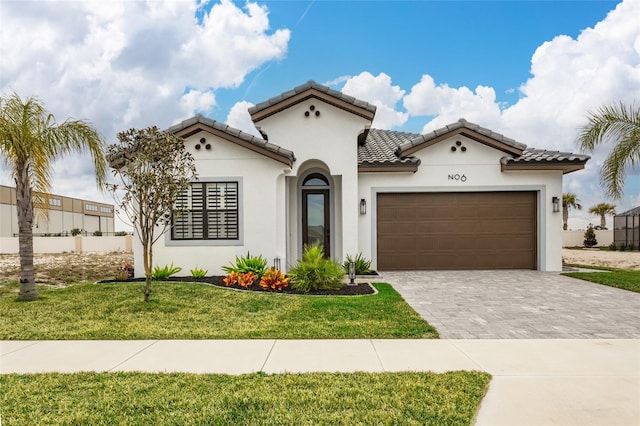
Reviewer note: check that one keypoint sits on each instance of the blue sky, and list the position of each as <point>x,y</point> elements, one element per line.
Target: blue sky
<point>528,69</point>
<point>461,43</point>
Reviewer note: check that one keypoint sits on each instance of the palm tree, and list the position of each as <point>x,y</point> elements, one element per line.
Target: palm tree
<point>30,142</point>
<point>603,209</point>
<point>619,124</point>
<point>569,201</point>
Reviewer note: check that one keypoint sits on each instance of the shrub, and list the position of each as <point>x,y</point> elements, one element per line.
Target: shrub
<point>198,273</point>
<point>362,264</point>
<point>97,233</point>
<point>623,247</point>
<point>120,234</point>
<point>274,280</point>
<point>76,231</point>
<point>255,264</point>
<point>613,247</point>
<point>246,279</point>
<point>590,237</point>
<point>231,279</point>
<point>165,272</point>
<point>315,272</point>
<point>631,247</point>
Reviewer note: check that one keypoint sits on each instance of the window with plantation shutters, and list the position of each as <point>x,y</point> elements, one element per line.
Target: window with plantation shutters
<point>207,211</point>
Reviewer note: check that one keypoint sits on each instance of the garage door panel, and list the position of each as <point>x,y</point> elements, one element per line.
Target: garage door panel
<point>488,230</point>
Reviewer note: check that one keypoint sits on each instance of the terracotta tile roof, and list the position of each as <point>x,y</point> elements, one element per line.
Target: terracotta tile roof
<point>236,133</point>
<point>385,147</point>
<point>297,93</point>
<point>465,128</point>
<point>380,148</point>
<point>532,155</point>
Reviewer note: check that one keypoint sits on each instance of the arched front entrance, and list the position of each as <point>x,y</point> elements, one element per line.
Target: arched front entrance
<point>316,217</point>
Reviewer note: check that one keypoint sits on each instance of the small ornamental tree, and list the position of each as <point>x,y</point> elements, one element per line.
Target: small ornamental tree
<point>590,237</point>
<point>154,170</point>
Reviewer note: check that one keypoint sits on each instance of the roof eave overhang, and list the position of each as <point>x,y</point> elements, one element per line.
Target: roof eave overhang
<point>565,167</point>
<point>478,137</point>
<point>286,158</point>
<point>388,167</point>
<point>309,94</point>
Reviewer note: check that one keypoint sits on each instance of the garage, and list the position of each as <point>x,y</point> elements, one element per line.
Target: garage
<point>456,230</point>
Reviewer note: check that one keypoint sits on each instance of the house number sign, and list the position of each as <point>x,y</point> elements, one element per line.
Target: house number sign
<point>458,177</point>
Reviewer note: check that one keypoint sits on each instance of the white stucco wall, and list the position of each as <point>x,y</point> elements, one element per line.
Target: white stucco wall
<point>327,143</point>
<point>480,165</point>
<point>261,209</point>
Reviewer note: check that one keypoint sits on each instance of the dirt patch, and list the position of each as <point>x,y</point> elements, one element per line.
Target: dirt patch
<point>596,257</point>
<point>62,269</point>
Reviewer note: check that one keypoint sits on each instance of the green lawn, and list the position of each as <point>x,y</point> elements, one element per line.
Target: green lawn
<point>627,279</point>
<point>290,399</point>
<point>196,311</point>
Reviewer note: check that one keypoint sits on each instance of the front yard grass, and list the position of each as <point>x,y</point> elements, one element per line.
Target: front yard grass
<point>627,279</point>
<point>315,398</point>
<point>88,311</point>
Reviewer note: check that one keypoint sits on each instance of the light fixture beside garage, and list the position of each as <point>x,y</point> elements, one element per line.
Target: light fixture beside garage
<point>363,206</point>
<point>556,204</point>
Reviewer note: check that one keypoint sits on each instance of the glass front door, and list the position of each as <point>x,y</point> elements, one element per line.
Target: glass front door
<point>315,218</point>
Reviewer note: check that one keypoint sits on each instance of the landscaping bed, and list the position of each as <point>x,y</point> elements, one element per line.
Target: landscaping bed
<point>347,290</point>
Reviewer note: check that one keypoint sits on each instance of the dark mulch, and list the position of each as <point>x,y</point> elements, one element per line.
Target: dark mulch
<point>346,290</point>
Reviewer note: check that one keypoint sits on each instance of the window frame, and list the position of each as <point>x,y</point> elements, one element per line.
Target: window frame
<point>169,236</point>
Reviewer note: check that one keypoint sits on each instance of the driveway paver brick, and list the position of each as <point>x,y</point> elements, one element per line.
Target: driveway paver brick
<point>518,305</point>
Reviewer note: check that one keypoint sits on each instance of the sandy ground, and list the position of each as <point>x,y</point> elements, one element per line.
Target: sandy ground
<point>594,257</point>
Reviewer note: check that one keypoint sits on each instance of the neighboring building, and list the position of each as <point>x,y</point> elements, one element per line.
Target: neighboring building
<point>63,215</point>
<point>626,228</point>
<point>461,197</point>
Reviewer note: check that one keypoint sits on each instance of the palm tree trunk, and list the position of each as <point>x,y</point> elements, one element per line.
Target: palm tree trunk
<point>603,221</point>
<point>565,217</point>
<point>24,205</point>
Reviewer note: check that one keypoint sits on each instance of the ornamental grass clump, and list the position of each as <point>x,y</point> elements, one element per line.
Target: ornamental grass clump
<point>248,263</point>
<point>315,272</point>
<point>163,273</point>
<point>361,263</point>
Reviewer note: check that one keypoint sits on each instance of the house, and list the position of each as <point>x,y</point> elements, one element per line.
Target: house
<point>461,197</point>
<point>626,229</point>
<point>61,216</point>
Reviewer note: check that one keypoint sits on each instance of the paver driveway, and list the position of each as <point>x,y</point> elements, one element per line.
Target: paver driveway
<point>518,305</point>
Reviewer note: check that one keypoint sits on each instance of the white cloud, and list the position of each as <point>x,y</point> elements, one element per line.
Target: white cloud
<point>378,91</point>
<point>450,104</point>
<point>240,119</point>
<point>132,64</point>
<point>197,101</point>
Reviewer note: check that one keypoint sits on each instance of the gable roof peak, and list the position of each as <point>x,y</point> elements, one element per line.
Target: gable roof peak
<point>308,90</point>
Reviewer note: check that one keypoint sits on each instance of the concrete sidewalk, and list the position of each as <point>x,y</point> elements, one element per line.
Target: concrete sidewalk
<point>535,382</point>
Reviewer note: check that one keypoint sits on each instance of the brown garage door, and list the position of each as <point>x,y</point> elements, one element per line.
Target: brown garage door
<point>471,230</point>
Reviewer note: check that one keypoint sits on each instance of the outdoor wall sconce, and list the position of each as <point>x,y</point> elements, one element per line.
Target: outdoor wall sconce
<point>556,204</point>
<point>276,263</point>
<point>363,206</point>
<point>352,273</point>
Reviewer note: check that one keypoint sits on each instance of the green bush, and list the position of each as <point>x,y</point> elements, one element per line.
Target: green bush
<point>198,273</point>
<point>248,263</point>
<point>315,272</point>
<point>76,231</point>
<point>613,247</point>
<point>362,264</point>
<point>97,233</point>
<point>120,234</point>
<point>590,238</point>
<point>165,272</point>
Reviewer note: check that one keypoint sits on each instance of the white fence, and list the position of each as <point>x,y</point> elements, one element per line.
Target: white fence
<point>576,238</point>
<point>77,244</point>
